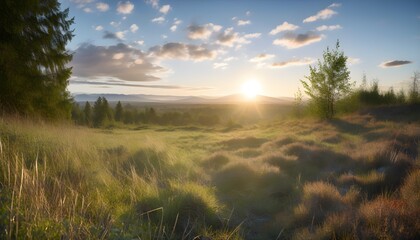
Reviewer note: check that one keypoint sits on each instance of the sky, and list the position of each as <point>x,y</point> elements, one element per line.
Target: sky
<point>211,48</point>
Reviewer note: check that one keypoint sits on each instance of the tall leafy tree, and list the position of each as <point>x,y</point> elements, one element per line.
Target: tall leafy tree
<point>33,71</point>
<point>328,82</point>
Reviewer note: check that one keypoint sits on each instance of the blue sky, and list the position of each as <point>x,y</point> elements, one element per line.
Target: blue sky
<point>211,48</point>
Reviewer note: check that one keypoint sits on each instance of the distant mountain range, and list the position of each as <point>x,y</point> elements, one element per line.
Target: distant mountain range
<point>145,98</point>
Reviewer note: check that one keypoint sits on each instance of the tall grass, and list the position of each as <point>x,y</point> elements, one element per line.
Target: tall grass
<point>74,183</point>
<point>302,179</point>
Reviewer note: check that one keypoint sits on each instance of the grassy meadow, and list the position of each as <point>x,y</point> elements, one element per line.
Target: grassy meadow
<point>354,177</point>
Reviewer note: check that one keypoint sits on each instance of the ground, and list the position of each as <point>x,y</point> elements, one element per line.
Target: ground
<point>356,176</point>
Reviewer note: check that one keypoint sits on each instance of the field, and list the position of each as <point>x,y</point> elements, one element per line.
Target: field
<point>354,177</point>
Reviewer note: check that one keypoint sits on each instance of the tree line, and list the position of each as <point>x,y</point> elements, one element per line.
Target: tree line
<point>101,114</point>
<point>330,90</point>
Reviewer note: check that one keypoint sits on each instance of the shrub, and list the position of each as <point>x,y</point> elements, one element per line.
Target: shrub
<point>410,191</point>
<point>386,218</point>
<point>318,201</point>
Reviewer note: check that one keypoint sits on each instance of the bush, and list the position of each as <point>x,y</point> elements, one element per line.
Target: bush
<point>385,218</point>
<point>318,201</point>
<point>410,191</point>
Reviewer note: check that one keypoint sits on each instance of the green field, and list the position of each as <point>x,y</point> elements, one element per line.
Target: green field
<point>354,177</point>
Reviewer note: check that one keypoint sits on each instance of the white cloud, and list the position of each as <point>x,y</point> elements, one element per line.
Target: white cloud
<point>81,3</point>
<point>164,36</point>
<point>115,24</point>
<point>125,8</point>
<point>118,56</point>
<point>119,61</point>
<point>87,10</point>
<point>285,26</point>
<point>134,28</point>
<point>177,21</point>
<point>230,38</point>
<point>328,28</point>
<point>140,42</point>
<point>120,35</point>
<point>221,65</point>
<point>103,7</point>
<point>261,57</point>
<point>248,13</point>
<point>293,62</point>
<point>334,5</point>
<point>183,51</point>
<point>174,26</point>
<point>159,20</point>
<point>252,35</point>
<point>228,59</point>
<point>243,22</point>
<point>154,3</point>
<point>99,28</point>
<point>291,40</point>
<point>353,61</point>
<point>323,14</point>
<point>165,9</point>
<point>202,31</point>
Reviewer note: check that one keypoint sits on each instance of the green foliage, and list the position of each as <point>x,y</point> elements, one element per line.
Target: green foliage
<point>33,60</point>
<point>119,112</point>
<point>102,113</point>
<point>414,94</point>
<point>298,103</point>
<point>87,110</point>
<point>370,96</point>
<point>316,180</point>
<point>328,82</point>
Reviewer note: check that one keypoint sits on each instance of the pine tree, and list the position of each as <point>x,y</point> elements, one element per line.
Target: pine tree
<point>33,71</point>
<point>118,112</point>
<point>107,110</point>
<point>98,113</point>
<point>88,114</point>
<point>328,82</point>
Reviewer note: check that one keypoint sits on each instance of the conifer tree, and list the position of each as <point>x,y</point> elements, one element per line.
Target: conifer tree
<point>118,112</point>
<point>98,113</point>
<point>88,114</point>
<point>33,71</point>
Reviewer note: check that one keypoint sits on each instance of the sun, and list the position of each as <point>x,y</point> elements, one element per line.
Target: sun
<point>251,88</point>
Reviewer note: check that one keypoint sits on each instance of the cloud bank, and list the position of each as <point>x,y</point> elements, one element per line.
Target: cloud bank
<point>202,32</point>
<point>119,61</point>
<point>176,50</point>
